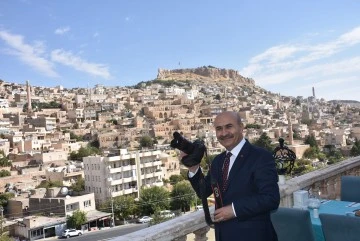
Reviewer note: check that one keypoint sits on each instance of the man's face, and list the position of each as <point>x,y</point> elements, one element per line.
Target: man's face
<point>228,130</point>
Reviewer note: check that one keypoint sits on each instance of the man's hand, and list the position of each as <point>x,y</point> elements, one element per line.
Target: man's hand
<point>224,214</point>
<point>191,169</point>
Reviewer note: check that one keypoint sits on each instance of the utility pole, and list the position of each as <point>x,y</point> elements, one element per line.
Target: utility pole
<point>112,211</point>
<point>2,218</point>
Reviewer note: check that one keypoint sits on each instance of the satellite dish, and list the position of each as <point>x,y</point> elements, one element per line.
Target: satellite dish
<point>64,190</point>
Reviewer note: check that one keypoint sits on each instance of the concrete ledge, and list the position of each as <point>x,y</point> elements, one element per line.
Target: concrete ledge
<point>175,228</point>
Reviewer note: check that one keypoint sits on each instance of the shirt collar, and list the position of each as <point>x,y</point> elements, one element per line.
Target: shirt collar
<point>236,150</point>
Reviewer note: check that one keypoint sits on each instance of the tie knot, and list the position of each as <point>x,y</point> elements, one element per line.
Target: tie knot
<point>228,154</point>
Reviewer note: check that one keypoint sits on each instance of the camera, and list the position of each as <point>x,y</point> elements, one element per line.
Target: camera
<point>194,150</point>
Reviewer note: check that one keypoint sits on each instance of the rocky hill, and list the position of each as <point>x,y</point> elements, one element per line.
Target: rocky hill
<point>203,74</point>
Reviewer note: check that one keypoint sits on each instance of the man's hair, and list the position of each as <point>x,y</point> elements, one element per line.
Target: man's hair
<point>236,116</point>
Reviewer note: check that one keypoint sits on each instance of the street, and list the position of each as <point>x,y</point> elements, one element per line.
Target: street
<point>106,234</point>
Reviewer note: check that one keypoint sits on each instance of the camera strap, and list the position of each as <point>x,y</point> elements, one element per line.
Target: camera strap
<point>217,195</point>
<point>205,202</point>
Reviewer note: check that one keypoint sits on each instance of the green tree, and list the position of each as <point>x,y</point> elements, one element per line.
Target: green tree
<point>79,185</point>
<point>355,149</point>
<point>84,152</point>
<point>182,196</point>
<point>301,167</point>
<point>4,198</point>
<point>77,218</point>
<point>334,155</point>
<point>296,135</point>
<point>157,218</point>
<point>113,121</point>
<point>76,137</point>
<point>95,144</point>
<point>321,156</point>
<point>153,198</point>
<point>311,153</point>
<point>184,173</point>
<point>5,173</point>
<point>5,237</point>
<point>206,162</point>
<point>124,207</point>
<point>265,142</point>
<point>174,179</point>
<point>49,184</point>
<point>4,161</point>
<point>217,97</point>
<point>146,141</point>
<point>254,126</point>
<point>310,140</point>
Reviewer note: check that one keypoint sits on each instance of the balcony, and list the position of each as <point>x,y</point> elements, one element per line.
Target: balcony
<point>128,191</point>
<point>326,180</point>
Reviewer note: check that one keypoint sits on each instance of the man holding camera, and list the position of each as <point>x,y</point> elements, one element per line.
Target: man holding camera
<point>247,178</point>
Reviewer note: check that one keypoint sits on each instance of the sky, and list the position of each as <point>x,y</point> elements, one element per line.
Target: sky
<point>287,47</point>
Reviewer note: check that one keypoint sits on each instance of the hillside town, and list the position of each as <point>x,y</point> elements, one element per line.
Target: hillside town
<point>117,139</point>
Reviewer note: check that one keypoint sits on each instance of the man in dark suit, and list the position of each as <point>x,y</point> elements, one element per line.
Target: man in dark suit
<point>248,180</point>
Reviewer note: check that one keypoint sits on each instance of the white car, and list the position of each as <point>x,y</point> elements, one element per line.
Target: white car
<point>144,219</point>
<point>67,233</point>
<point>199,207</point>
<point>167,214</point>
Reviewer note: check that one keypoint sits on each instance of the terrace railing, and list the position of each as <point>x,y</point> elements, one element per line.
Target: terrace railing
<point>325,181</point>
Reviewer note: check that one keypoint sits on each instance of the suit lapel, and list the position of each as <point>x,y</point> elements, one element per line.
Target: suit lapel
<point>239,162</point>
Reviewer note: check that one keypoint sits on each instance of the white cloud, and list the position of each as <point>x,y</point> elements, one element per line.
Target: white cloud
<point>329,64</point>
<point>352,37</point>
<point>28,54</point>
<point>61,31</point>
<point>127,19</point>
<point>96,34</point>
<point>275,54</point>
<point>330,82</point>
<point>340,67</point>
<point>69,59</point>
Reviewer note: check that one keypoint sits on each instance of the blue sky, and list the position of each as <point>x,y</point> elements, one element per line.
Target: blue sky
<point>286,46</point>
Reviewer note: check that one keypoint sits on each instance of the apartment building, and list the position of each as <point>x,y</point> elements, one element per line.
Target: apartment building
<point>76,115</point>
<point>67,175</point>
<point>123,174</point>
<point>41,121</point>
<point>57,202</point>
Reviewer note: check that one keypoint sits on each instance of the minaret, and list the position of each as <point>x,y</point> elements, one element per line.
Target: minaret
<point>291,139</point>
<point>313,90</point>
<point>28,92</point>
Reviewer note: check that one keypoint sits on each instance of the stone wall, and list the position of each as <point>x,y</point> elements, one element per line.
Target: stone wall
<point>211,73</point>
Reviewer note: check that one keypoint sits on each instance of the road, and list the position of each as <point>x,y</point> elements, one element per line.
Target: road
<point>106,234</point>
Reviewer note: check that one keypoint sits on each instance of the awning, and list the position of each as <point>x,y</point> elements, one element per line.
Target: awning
<point>95,215</point>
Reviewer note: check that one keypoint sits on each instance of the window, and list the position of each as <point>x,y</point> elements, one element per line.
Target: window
<point>87,203</point>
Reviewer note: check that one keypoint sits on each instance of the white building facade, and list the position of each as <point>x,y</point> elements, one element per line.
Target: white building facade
<point>124,174</point>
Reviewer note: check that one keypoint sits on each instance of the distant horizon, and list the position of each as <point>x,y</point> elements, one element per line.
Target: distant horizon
<point>285,47</point>
<point>164,81</point>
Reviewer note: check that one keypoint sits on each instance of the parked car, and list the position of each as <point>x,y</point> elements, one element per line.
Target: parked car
<point>167,214</point>
<point>144,219</point>
<point>67,233</point>
<point>199,207</point>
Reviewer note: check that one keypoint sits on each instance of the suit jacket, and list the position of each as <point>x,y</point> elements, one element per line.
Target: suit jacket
<point>253,190</point>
